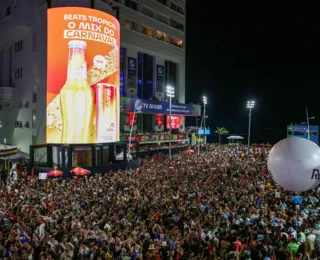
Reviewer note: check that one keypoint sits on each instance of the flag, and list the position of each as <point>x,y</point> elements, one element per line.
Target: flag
<point>41,230</point>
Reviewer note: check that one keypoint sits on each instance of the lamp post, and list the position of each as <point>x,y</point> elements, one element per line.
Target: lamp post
<point>170,94</point>
<point>205,101</point>
<point>199,142</point>
<point>131,129</point>
<point>308,118</point>
<point>250,105</point>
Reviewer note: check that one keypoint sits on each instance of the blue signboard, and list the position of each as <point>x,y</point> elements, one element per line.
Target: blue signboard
<point>302,131</point>
<point>203,132</point>
<point>157,107</point>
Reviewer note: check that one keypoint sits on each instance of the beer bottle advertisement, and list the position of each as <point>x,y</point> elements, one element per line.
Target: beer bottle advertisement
<point>82,76</point>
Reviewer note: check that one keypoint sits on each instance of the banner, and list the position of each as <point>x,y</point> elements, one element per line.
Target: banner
<point>132,76</point>
<point>159,124</point>
<point>157,107</point>
<point>160,80</point>
<point>128,122</point>
<point>175,122</point>
<point>153,137</point>
<point>82,76</point>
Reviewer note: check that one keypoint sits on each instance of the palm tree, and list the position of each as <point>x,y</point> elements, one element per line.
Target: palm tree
<point>221,131</point>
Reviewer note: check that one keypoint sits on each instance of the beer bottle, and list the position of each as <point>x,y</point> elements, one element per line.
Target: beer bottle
<point>77,98</point>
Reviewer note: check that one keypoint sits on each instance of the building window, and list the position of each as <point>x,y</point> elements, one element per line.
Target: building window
<point>171,74</point>
<point>147,30</point>
<point>163,19</point>
<point>10,67</point>
<point>140,75</point>
<point>131,4</point>
<point>177,8</point>
<point>164,2</point>
<point>18,73</point>
<point>122,72</point>
<point>130,25</point>
<point>176,25</point>
<point>147,74</point>
<point>18,46</point>
<point>7,11</point>
<point>34,97</point>
<point>1,68</point>
<point>175,41</point>
<point>147,11</point>
<point>161,36</point>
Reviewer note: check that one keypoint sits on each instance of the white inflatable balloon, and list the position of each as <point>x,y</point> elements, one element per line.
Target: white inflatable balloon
<point>294,164</point>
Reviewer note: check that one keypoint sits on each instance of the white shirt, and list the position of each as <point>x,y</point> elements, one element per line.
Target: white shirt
<point>13,176</point>
<point>204,235</point>
<point>311,238</point>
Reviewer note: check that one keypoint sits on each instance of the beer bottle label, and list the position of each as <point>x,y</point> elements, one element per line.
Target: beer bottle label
<point>81,71</point>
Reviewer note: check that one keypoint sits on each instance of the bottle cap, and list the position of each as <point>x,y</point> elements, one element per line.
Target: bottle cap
<point>77,44</point>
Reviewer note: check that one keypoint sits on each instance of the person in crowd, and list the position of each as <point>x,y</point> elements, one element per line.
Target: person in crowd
<point>218,205</point>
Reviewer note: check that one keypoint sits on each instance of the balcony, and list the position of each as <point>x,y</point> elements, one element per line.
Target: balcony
<point>43,12</point>
<point>7,95</point>
<point>78,3</point>
<point>6,24</point>
<point>164,9</point>
<point>153,45</point>
<point>155,24</point>
<point>15,25</point>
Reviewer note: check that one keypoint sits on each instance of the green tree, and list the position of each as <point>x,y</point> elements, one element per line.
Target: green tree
<point>221,131</point>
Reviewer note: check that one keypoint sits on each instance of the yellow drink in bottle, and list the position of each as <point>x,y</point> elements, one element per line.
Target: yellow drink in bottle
<point>77,98</point>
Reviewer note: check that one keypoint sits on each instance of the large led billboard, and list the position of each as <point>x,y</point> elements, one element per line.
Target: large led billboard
<point>82,76</point>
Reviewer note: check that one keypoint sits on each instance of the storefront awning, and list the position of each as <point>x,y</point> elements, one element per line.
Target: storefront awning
<point>6,150</point>
<point>19,155</point>
<point>158,107</point>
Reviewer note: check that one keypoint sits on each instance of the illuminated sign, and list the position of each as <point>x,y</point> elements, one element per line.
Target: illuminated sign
<point>83,104</point>
<point>175,121</point>
<point>203,132</point>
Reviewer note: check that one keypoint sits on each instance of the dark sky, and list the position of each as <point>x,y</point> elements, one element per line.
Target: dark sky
<point>234,55</point>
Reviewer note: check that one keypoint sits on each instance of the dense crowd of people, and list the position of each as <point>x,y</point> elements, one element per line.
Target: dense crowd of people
<point>221,204</point>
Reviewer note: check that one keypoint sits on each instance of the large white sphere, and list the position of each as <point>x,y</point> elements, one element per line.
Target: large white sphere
<point>291,163</point>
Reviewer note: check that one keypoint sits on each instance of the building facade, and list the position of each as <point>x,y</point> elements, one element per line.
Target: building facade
<point>152,56</point>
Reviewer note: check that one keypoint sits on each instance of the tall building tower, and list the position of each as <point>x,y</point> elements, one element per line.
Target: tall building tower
<point>152,56</point>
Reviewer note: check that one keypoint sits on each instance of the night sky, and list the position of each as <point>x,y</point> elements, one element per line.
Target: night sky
<point>234,55</point>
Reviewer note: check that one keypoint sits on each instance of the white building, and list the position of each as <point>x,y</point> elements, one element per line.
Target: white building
<point>152,32</point>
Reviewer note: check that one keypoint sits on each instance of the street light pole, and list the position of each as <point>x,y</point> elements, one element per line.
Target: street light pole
<point>250,105</point>
<point>131,129</point>
<point>308,124</point>
<point>199,143</point>
<point>170,128</point>
<point>204,119</point>
<point>170,94</point>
